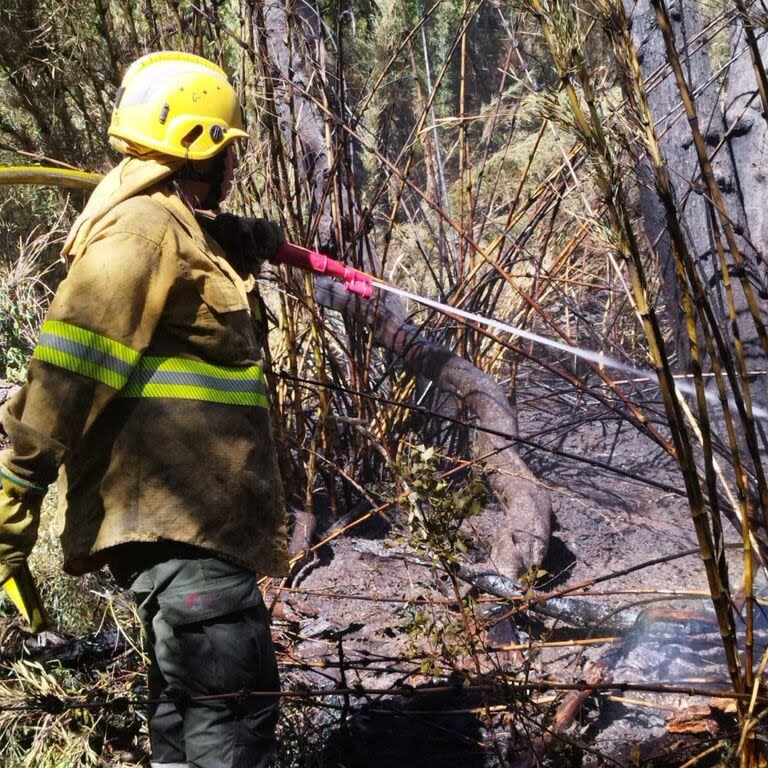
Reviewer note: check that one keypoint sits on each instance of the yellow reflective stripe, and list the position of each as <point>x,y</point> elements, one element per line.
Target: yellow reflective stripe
<point>177,377</point>
<point>85,352</point>
<point>79,365</point>
<point>120,367</point>
<point>91,339</point>
<point>190,392</point>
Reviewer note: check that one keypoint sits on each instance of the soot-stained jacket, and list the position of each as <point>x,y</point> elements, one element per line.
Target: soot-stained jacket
<point>145,392</point>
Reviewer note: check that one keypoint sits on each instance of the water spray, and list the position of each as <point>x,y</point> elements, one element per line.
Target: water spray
<point>363,285</point>
<point>584,353</point>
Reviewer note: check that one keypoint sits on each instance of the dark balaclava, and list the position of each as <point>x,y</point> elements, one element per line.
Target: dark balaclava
<point>211,173</point>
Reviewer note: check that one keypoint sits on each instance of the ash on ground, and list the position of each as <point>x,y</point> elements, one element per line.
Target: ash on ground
<point>372,613</point>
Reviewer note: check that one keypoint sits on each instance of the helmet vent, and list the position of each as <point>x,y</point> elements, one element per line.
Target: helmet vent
<point>164,113</point>
<point>192,136</point>
<point>217,133</point>
<point>119,96</point>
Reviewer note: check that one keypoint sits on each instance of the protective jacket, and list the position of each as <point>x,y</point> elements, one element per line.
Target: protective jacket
<point>146,391</point>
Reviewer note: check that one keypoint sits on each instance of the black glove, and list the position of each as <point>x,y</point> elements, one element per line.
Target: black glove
<point>247,242</point>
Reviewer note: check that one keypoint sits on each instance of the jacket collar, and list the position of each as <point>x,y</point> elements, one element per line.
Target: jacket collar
<point>131,177</point>
<point>185,216</point>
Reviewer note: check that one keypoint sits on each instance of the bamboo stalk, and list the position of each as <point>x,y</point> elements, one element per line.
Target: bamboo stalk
<point>589,127</point>
<point>556,644</point>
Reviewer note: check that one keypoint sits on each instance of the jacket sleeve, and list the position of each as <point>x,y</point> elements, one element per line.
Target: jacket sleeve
<point>100,321</point>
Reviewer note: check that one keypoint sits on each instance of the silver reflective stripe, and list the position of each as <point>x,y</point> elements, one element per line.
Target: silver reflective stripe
<point>142,376</point>
<point>84,352</point>
<point>157,376</point>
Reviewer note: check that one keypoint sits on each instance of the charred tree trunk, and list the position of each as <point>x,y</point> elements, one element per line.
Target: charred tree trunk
<point>525,538</point>
<point>697,213</point>
<point>748,154</point>
<point>305,131</point>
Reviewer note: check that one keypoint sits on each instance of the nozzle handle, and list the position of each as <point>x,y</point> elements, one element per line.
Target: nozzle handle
<point>354,280</point>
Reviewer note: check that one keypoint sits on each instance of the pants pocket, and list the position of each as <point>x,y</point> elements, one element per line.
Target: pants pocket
<point>225,654</point>
<point>209,596</point>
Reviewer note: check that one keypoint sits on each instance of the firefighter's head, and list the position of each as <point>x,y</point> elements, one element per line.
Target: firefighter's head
<point>180,105</point>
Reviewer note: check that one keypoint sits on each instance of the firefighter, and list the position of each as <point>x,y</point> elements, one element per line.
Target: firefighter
<point>145,395</point>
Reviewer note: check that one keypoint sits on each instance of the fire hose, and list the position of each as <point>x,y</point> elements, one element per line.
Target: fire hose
<point>363,284</point>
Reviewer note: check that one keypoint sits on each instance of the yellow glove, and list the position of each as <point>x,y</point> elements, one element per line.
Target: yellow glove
<point>22,590</point>
<point>20,504</point>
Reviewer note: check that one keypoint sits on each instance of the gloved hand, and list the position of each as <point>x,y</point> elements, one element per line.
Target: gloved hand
<point>19,521</point>
<point>247,241</point>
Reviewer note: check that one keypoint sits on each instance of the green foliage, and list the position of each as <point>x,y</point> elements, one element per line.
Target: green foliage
<point>435,509</point>
<point>61,64</point>
<point>54,741</point>
<point>441,640</point>
<point>78,605</point>
<point>24,297</point>
<point>435,512</point>
<point>14,352</point>
<point>71,738</point>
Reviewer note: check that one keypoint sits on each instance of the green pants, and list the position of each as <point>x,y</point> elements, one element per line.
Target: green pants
<point>208,633</point>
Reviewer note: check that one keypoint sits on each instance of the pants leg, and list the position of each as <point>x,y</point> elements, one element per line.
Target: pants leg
<point>224,655</point>
<point>164,716</point>
<point>208,631</point>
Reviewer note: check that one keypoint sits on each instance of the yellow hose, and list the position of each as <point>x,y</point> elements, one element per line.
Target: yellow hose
<point>48,176</point>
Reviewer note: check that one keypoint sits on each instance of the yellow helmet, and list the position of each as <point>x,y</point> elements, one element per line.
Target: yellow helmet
<point>178,104</point>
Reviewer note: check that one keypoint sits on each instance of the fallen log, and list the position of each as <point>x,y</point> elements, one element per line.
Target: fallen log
<point>694,719</point>
<point>48,648</point>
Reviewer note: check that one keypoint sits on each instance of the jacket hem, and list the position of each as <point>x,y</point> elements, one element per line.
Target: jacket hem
<point>79,566</point>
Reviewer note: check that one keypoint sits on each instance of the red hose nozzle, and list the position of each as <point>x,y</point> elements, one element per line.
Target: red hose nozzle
<point>364,289</point>
<point>354,280</point>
